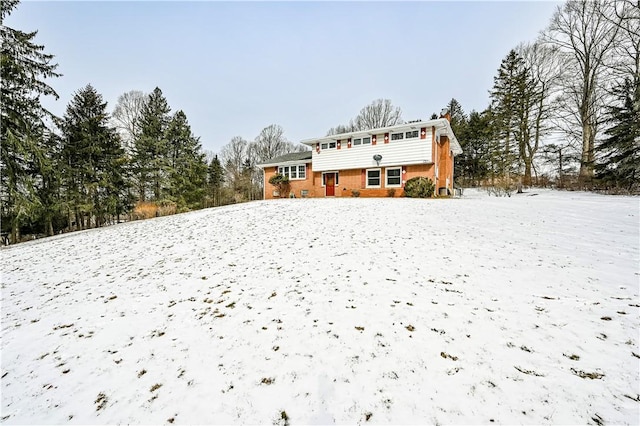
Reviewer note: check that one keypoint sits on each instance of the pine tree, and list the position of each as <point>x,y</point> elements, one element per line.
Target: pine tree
<point>23,66</point>
<point>51,215</point>
<point>94,160</point>
<point>473,165</point>
<point>458,117</point>
<point>187,169</point>
<point>506,96</point>
<point>619,162</point>
<point>215,180</point>
<point>151,149</point>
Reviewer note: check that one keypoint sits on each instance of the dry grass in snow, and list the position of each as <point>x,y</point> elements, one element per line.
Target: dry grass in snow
<point>473,310</point>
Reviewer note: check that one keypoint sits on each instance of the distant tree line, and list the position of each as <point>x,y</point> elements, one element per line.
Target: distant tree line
<point>90,168</point>
<point>570,101</point>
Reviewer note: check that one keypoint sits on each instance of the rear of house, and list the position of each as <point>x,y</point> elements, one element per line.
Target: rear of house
<point>371,163</point>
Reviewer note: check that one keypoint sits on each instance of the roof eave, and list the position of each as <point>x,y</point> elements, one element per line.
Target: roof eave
<point>284,163</point>
<point>342,136</point>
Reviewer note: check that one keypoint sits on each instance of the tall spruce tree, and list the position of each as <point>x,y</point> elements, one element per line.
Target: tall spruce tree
<point>619,153</point>
<point>473,165</point>
<point>215,180</point>
<point>24,67</point>
<point>93,160</point>
<point>505,96</point>
<point>51,216</point>
<point>188,168</point>
<point>151,148</point>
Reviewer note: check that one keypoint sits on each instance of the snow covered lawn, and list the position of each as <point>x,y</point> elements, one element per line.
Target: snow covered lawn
<point>474,310</point>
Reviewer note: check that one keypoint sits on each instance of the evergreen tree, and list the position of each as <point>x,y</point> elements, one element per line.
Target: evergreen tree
<point>458,117</point>
<point>23,67</point>
<point>93,160</point>
<point>619,163</point>
<point>215,180</point>
<point>507,95</point>
<point>151,148</point>
<point>188,168</point>
<point>51,215</point>
<point>473,165</point>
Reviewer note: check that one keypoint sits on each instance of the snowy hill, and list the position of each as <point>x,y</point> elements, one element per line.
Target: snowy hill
<point>475,310</point>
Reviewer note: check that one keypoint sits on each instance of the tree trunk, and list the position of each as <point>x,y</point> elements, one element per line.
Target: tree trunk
<point>586,159</point>
<point>527,172</point>
<point>15,232</point>
<point>49,226</point>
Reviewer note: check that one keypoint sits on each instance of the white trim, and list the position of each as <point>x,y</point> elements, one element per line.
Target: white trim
<point>366,181</point>
<point>285,163</point>
<point>361,139</point>
<point>442,125</point>
<point>416,131</point>
<point>297,166</point>
<point>386,177</point>
<point>336,173</point>
<point>391,135</point>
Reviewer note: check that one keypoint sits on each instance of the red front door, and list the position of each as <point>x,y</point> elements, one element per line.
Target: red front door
<point>330,185</point>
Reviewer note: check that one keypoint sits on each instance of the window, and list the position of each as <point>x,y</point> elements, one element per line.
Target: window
<point>373,178</point>
<point>324,145</point>
<point>362,141</point>
<point>332,145</point>
<point>411,135</point>
<point>394,177</point>
<point>397,136</point>
<point>296,172</point>
<point>324,178</point>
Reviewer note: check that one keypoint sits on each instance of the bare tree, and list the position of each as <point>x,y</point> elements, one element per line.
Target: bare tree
<point>379,113</point>
<point>126,115</point>
<point>271,143</point>
<point>627,48</point>
<point>545,72</point>
<point>582,31</point>
<point>233,156</point>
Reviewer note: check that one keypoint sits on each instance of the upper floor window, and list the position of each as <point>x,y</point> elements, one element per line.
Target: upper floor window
<point>362,141</point>
<point>328,145</point>
<point>397,136</point>
<point>295,172</point>
<point>412,134</point>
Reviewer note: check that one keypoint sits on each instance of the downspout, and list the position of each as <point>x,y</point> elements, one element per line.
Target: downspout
<point>453,174</point>
<point>264,184</point>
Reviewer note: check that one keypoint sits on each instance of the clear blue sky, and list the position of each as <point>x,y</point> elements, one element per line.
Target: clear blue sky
<point>237,67</point>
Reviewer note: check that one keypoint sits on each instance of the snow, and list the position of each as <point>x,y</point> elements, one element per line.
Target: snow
<point>314,311</point>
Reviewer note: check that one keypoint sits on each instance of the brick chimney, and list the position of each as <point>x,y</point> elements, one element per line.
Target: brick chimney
<point>446,114</point>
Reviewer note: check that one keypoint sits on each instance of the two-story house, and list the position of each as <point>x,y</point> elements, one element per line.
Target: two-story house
<point>369,163</point>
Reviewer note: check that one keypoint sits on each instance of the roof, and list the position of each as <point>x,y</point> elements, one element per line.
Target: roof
<point>442,125</point>
<point>292,157</point>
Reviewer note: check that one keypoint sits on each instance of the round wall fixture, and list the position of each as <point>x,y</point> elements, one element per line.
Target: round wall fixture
<point>377,158</point>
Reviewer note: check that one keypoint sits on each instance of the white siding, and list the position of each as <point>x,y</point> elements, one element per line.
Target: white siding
<point>411,151</point>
